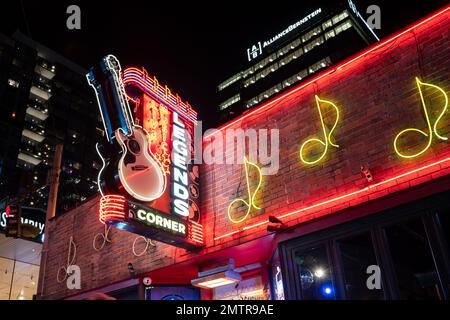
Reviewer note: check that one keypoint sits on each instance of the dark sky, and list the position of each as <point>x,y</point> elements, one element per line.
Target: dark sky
<point>191,46</point>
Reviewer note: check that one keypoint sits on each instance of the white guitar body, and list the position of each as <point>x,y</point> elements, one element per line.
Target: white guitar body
<point>139,172</point>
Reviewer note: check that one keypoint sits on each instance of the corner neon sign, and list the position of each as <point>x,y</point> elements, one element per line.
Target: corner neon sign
<point>147,173</point>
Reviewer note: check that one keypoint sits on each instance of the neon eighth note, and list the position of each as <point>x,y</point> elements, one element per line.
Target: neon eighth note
<point>432,129</point>
<point>251,196</point>
<point>326,142</point>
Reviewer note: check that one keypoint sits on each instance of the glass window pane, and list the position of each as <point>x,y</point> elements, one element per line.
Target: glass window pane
<point>356,255</point>
<point>6,272</point>
<point>413,262</point>
<point>444,219</point>
<point>315,274</point>
<point>25,281</point>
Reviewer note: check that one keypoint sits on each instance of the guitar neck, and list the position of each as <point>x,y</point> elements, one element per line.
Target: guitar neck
<point>112,101</point>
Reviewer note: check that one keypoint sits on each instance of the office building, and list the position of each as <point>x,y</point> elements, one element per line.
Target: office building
<point>322,36</point>
<point>45,100</point>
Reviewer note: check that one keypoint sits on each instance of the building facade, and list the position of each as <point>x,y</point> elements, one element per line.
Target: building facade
<point>323,36</point>
<point>45,100</point>
<point>361,190</point>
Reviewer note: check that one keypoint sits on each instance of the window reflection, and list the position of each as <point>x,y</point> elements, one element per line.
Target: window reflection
<point>413,262</point>
<point>356,254</point>
<point>444,221</point>
<point>315,274</point>
<point>18,280</point>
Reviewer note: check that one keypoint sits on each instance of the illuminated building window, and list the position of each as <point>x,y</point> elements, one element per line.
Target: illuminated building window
<point>342,27</point>
<point>230,101</point>
<point>330,34</point>
<point>229,81</point>
<point>319,65</point>
<point>13,83</point>
<point>297,53</point>
<point>311,45</point>
<point>314,32</point>
<point>327,24</point>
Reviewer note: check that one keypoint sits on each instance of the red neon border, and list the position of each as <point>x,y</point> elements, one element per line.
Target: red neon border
<point>140,79</point>
<point>328,71</point>
<point>314,79</point>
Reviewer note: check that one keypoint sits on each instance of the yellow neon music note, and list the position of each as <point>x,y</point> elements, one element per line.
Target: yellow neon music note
<point>327,135</point>
<point>431,129</point>
<point>251,197</point>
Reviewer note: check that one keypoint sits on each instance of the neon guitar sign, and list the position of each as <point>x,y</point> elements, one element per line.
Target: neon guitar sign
<point>137,167</point>
<point>136,164</point>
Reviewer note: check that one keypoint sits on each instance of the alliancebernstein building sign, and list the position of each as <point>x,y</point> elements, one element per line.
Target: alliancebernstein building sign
<point>256,50</point>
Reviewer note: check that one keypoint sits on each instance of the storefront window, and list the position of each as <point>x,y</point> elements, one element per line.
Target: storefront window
<point>315,274</point>
<point>413,262</point>
<point>18,280</point>
<point>444,220</point>
<point>357,254</point>
<point>172,293</point>
<point>251,288</point>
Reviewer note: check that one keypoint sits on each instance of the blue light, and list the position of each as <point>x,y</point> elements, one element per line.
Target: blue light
<point>327,290</point>
<point>121,225</point>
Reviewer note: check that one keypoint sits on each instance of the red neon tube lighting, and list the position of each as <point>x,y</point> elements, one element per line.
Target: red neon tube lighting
<point>436,165</point>
<point>140,79</point>
<point>196,232</point>
<point>112,207</point>
<point>328,71</point>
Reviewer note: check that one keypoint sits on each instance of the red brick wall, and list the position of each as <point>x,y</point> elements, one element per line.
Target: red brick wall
<point>378,98</point>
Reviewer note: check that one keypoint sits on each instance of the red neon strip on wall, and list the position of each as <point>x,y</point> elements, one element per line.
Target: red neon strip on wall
<point>328,71</point>
<point>344,196</point>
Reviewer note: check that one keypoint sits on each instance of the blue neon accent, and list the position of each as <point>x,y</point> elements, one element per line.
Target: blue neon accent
<point>118,105</point>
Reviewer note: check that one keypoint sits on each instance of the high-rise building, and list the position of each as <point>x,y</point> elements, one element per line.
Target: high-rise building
<point>45,100</point>
<point>322,36</point>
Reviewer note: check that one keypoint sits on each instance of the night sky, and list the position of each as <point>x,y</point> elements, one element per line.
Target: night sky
<point>190,46</point>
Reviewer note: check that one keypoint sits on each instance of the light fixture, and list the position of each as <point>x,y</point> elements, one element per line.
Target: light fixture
<point>21,295</point>
<point>319,273</point>
<point>217,277</point>
<point>273,219</point>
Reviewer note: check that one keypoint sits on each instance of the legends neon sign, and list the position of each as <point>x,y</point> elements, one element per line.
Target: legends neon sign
<point>180,183</point>
<point>147,173</point>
